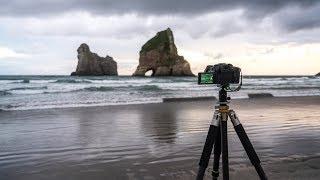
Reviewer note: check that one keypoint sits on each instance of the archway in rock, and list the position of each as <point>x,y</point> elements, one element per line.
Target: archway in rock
<point>150,72</point>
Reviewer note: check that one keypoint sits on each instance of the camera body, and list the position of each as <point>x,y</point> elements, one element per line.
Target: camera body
<point>221,74</point>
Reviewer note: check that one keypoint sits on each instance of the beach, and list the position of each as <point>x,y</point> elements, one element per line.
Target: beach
<point>158,140</point>
<point>143,90</point>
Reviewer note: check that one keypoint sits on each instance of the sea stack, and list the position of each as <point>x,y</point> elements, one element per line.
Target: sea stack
<point>160,55</point>
<point>318,74</point>
<point>90,64</point>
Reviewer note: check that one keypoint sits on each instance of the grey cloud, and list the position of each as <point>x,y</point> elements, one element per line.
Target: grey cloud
<point>214,56</point>
<point>290,15</point>
<point>269,51</point>
<point>228,27</point>
<point>297,18</point>
<point>146,7</point>
<point>218,56</point>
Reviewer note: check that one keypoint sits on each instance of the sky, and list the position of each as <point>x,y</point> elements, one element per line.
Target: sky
<point>262,37</point>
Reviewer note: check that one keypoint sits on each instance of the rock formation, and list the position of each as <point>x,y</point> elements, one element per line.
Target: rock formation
<point>90,64</point>
<point>160,55</point>
<point>318,74</point>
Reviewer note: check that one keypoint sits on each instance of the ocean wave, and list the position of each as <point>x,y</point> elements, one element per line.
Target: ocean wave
<point>281,88</point>
<point>101,88</point>
<point>72,81</point>
<point>22,81</point>
<point>28,88</point>
<point>121,88</point>
<point>4,93</point>
<point>313,77</point>
<point>184,80</point>
<point>25,81</point>
<point>147,88</point>
<point>93,88</point>
<point>295,88</point>
<point>7,107</point>
<point>110,88</point>
<point>74,105</point>
<point>172,80</point>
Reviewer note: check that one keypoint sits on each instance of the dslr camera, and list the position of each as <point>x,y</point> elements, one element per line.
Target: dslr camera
<point>221,74</point>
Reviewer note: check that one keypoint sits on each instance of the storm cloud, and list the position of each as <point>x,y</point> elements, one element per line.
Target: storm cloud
<point>293,20</point>
<point>297,18</point>
<point>147,7</point>
<point>290,15</point>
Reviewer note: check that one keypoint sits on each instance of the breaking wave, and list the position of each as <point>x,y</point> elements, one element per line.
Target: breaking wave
<point>101,88</point>
<point>281,88</point>
<point>122,88</point>
<point>4,93</point>
<point>147,88</point>
<point>25,81</point>
<point>28,88</point>
<point>72,81</point>
<point>7,107</point>
<point>110,88</point>
<point>31,92</point>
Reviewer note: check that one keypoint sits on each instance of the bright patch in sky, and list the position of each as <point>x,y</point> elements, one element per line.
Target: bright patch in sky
<point>9,53</point>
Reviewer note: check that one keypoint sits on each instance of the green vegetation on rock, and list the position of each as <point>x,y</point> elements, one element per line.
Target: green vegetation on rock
<point>153,43</point>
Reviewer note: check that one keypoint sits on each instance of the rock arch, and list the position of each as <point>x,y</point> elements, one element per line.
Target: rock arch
<point>160,54</point>
<point>150,71</point>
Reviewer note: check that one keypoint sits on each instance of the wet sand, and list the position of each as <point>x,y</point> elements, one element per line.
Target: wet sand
<point>157,141</point>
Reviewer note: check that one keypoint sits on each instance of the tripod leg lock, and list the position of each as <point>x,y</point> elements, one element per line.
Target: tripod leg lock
<point>215,174</point>
<point>234,118</point>
<point>216,119</point>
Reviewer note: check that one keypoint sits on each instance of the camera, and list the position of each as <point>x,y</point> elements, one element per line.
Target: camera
<point>222,74</point>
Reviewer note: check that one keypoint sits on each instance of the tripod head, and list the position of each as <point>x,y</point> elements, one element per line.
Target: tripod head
<point>224,88</point>
<point>223,96</point>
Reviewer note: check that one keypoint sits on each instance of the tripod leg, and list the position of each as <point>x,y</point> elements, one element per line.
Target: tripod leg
<point>255,161</point>
<point>217,154</point>
<point>207,149</point>
<point>224,146</point>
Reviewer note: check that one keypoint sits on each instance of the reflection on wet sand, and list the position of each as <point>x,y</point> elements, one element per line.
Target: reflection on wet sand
<point>160,125</point>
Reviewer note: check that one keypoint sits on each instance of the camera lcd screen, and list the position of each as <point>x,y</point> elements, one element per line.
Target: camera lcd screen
<point>205,78</point>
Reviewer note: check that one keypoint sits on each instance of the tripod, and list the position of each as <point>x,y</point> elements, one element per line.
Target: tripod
<point>218,137</point>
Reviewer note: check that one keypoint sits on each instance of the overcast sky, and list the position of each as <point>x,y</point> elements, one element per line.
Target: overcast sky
<point>261,36</point>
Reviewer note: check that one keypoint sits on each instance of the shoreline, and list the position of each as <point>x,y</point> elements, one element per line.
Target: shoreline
<point>167,100</point>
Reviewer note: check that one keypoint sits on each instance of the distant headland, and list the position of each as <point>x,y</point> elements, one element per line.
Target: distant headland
<point>159,55</point>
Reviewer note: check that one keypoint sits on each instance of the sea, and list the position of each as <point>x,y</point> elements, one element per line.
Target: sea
<point>43,92</point>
